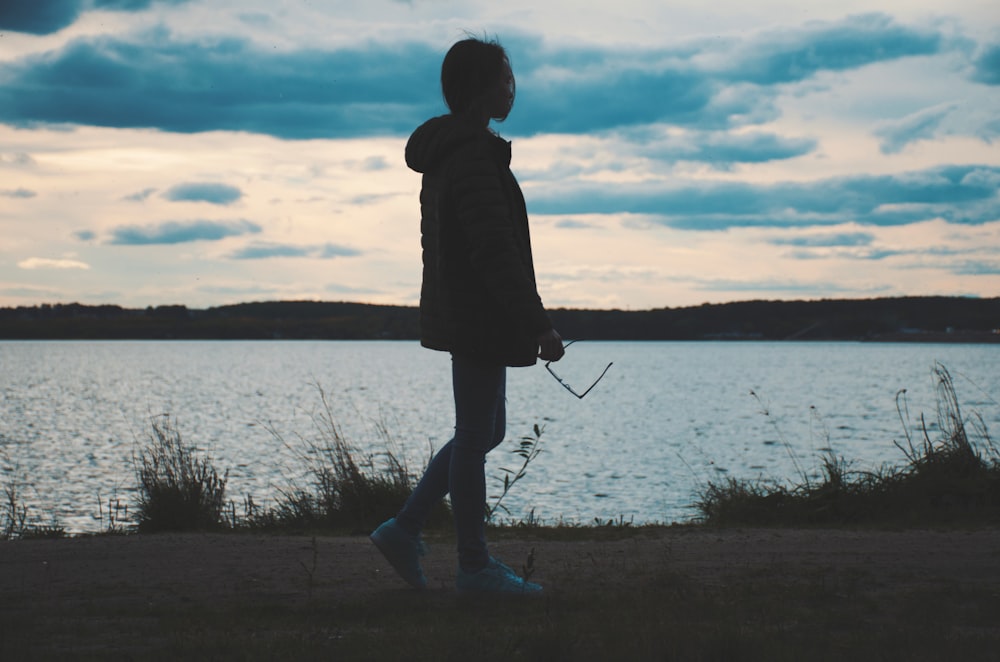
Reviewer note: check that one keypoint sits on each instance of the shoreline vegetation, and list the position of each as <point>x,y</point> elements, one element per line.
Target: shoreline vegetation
<point>887,563</point>
<point>900,319</point>
<point>950,478</point>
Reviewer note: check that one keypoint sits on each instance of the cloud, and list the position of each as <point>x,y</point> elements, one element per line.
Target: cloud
<point>262,250</point>
<point>871,254</point>
<point>85,235</point>
<point>217,194</point>
<point>41,17</point>
<point>987,66</point>
<point>752,148</point>
<point>920,125</point>
<point>35,293</point>
<point>826,240</point>
<point>789,287</point>
<point>17,193</point>
<point>785,56</point>
<point>133,5</point>
<point>573,224</point>
<point>976,268</point>
<point>178,232</point>
<point>140,196</point>
<point>957,194</point>
<point>46,263</point>
<point>338,288</point>
<point>155,80</point>
<point>717,149</point>
<point>374,164</point>
<point>159,80</point>
<point>17,159</point>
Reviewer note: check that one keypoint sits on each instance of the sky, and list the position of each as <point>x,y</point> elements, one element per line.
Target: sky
<point>208,152</point>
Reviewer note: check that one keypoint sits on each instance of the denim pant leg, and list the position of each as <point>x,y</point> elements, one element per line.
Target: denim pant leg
<point>480,425</point>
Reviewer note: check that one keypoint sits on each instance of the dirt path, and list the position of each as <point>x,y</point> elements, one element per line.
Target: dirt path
<point>162,569</point>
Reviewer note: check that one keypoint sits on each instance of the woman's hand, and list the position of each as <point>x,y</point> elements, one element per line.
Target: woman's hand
<point>550,346</point>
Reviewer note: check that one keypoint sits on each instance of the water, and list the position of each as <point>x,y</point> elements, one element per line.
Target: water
<point>667,418</point>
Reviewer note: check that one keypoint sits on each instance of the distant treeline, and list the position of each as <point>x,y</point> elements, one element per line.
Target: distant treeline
<point>897,319</point>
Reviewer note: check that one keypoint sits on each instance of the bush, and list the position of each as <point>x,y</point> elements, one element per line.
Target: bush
<point>178,491</point>
<point>951,480</point>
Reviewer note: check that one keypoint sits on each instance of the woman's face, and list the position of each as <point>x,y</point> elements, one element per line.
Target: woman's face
<point>500,99</point>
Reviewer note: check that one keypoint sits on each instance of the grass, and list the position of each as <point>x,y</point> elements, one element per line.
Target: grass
<point>343,493</point>
<point>178,490</point>
<point>15,521</point>
<point>954,478</point>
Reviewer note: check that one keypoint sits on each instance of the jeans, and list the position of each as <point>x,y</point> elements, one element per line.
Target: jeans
<point>458,468</point>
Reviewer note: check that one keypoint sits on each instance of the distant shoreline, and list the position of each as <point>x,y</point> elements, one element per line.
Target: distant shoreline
<point>900,319</point>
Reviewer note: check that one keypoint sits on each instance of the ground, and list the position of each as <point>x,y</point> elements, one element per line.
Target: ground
<point>81,597</point>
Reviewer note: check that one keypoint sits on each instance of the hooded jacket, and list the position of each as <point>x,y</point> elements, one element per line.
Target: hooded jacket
<point>478,296</point>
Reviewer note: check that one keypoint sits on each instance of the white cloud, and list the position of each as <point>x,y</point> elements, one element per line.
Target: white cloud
<point>48,263</point>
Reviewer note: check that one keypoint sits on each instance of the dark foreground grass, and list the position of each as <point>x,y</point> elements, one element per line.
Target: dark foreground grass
<point>669,617</point>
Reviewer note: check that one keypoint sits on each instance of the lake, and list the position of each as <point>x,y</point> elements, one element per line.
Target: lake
<point>667,418</point>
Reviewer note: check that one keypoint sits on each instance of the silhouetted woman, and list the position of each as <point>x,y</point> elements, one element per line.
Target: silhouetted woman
<point>478,302</point>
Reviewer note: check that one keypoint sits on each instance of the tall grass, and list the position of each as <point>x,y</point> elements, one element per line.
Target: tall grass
<point>952,478</point>
<point>15,522</point>
<point>178,490</point>
<point>14,513</point>
<point>528,448</point>
<point>343,492</point>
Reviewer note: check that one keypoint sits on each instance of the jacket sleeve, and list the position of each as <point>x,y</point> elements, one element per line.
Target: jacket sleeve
<point>488,224</point>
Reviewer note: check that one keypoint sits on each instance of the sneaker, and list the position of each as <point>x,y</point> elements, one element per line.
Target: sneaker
<point>494,578</point>
<point>402,551</point>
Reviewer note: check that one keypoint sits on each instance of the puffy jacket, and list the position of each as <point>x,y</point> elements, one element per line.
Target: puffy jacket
<point>478,296</point>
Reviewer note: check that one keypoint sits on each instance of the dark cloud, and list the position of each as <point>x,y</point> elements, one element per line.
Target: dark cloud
<point>228,84</point>
<point>752,148</point>
<point>158,80</point>
<point>42,17</point>
<point>17,193</point>
<point>720,149</point>
<point>260,251</point>
<point>217,194</point>
<point>787,56</point>
<point>140,196</point>
<point>85,235</point>
<point>976,268</point>
<point>870,254</point>
<point>826,240</point>
<point>179,232</point>
<point>39,16</point>
<point>957,194</point>
<point>987,66</point>
<point>918,126</point>
<point>133,5</point>
<point>573,224</point>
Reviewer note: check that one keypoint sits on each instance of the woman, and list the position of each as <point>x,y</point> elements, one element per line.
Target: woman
<point>478,302</point>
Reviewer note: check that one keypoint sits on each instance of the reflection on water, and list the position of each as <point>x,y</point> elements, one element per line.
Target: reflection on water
<point>665,419</point>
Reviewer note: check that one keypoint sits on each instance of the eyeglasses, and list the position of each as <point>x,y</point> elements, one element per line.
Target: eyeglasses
<point>548,366</point>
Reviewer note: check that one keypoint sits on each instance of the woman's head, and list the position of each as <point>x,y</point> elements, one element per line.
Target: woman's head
<point>476,79</point>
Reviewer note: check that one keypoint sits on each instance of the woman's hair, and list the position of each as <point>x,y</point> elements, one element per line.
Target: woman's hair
<point>470,70</point>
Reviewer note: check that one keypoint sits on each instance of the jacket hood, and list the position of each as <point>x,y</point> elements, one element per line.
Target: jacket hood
<point>438,138</point>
